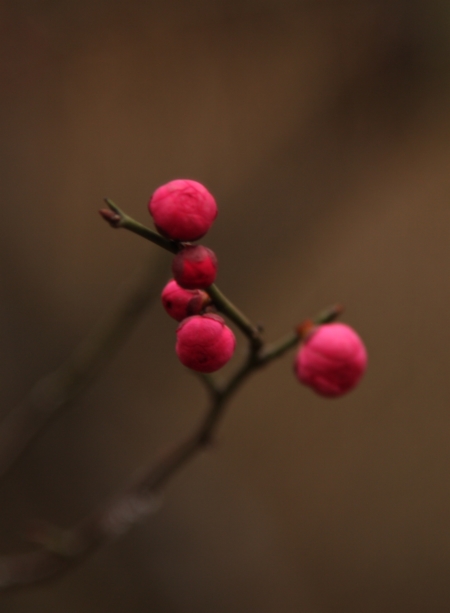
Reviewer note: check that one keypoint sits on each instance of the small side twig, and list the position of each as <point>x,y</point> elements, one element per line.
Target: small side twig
<point>118,219</point>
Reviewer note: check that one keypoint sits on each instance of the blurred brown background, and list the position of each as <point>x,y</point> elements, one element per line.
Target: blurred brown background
<point>323,130</point>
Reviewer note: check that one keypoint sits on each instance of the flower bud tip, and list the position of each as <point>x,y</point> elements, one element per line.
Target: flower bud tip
<point>112,218</point>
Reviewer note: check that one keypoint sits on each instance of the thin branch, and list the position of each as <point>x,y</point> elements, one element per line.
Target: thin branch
<point>119,219</point>
<point>209,384</point>
<point>273,350</point>
<point>59,549</point>
<point>232,312</point>
<point>61,387</point>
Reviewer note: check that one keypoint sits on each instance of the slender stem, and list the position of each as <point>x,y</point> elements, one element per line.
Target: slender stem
<point>122,220</point>
<point>276,349</point>
<point>209,383</point>
<point>328,315</point>
<point>230,310</point>
<point>119,219</point>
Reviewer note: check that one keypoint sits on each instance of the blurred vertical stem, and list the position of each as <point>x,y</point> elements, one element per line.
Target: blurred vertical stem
<point>61,387</point>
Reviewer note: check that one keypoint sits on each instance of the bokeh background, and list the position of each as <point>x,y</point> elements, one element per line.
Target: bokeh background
<point>323,129</point>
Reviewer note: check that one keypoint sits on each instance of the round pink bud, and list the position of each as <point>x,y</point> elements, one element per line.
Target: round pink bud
<point>331,360</point>
<point>195,267</point>
<point>183,210</point>
<point>204,342</point>
<point>181,303</point>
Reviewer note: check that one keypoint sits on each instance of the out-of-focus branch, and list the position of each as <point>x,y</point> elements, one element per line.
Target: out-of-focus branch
<point>61,387</point>
<point>60,549</point>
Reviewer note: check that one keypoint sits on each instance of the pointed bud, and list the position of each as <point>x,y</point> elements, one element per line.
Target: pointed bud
<point>112,218</point>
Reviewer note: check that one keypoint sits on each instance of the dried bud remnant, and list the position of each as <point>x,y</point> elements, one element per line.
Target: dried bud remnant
<point>204,343</point>
<point>183,210</point>
<point>331,360</point>
<point>112,218</point>
<point>181,303</point>
<point>195,267</point>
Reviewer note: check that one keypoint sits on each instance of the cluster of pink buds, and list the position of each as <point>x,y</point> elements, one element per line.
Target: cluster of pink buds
<point>184,210</point>
<point>331,358</point>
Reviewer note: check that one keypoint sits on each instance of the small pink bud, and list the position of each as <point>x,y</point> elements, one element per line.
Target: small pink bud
<point>204,342</point>
<point>181,303</point>
<point>195,267</point>
<point>183,210</point>
<point>332,359</point>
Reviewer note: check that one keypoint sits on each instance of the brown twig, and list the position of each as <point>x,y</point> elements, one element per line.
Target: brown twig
<point>60,550</point>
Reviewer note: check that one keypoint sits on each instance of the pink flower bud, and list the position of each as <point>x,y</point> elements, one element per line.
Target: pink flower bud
<point>204,342</point>
<point>195,267</point>
<point>332,359</point>
<point>181,303</point>
<point>183,210</point>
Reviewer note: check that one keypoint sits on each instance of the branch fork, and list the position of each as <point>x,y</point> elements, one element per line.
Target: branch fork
<point>57,549</point>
